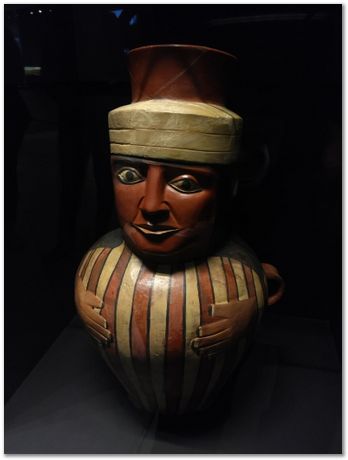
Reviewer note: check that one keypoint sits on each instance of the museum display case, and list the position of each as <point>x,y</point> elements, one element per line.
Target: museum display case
<point>274,176</point>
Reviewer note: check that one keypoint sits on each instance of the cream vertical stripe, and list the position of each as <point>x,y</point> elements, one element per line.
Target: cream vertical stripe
<point>109,267</point>
<point>218,279</point>
<point>240,280</point>
<point>259,293</point>
<point>91,263</point>
<point>192,321</point>
<point>123,320</point>
<point>242,295</point>
<point>157,333</point>
<point>259,290</point>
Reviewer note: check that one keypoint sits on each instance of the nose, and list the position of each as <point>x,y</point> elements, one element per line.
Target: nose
<point>152,207</point>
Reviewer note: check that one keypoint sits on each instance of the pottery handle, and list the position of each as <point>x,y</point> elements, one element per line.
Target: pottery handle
<point>272,274</point>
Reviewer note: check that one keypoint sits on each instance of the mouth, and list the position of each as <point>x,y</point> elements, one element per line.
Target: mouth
<point>156,230</point>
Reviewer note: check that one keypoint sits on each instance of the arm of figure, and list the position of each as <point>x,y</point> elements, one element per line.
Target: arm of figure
<point>89,307</point>
<point>233,319</point>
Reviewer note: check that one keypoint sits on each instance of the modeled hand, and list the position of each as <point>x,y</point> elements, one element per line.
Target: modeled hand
<point>89,307</point>
<point>234,318</point>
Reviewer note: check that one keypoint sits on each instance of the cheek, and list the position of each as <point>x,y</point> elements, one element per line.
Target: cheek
<point>191,208</point>
<point>127,198</point>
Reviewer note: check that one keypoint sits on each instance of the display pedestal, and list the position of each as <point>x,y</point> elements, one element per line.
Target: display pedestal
<point>285,398</point>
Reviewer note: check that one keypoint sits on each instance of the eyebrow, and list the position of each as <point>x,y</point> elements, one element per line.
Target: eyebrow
<point>174,167</point>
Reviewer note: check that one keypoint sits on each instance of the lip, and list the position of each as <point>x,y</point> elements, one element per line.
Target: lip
<point>158,230</point>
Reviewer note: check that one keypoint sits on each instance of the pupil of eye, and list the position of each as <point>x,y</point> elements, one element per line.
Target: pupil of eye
<point>186,184</point>
<point>129,175</point>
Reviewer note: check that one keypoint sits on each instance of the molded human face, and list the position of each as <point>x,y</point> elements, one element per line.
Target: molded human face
<point>165,210</point>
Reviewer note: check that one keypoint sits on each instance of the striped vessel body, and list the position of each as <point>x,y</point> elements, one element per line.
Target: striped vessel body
<point>153,315</point>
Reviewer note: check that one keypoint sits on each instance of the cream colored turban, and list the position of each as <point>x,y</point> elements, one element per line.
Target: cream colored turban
<point>177,130</point>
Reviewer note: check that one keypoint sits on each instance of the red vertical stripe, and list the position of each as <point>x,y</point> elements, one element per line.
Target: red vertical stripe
<point>250,281</point>
<point>206,367</point>
<point>83,271</point>
<point>232,352</point>
<point>139,332</point>
<point>109,313</point>
<point>175,347</point>
<point>232,290</point>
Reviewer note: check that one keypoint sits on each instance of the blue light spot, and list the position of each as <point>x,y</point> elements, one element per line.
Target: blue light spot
<point>134,20</point>
<point>117,13</point>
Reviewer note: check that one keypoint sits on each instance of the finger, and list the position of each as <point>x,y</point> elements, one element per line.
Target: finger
<point>94,315</point>
<point>230,309</point>
<point>89,313</point>
<point>99,337</point>
<point>213,328</point>
<point>101,330</point>
<point>211,339</point>
<point>95,318</point>
<point>93,300</point>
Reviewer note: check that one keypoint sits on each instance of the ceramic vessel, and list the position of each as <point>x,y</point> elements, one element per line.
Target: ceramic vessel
<point>170,299</point>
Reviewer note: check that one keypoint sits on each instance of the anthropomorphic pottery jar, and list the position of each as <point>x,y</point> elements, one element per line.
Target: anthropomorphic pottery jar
<point>173,302</point>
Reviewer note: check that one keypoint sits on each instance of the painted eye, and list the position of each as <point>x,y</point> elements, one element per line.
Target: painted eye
<point>129,176</point>
<point>185,185</point>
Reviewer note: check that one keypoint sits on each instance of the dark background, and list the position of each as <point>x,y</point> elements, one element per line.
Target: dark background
<point>65,68</point>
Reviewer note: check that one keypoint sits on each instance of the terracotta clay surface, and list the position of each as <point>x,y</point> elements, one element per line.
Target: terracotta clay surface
<point>186,72</point>
<point>172,313</point>
<point>172,334</point>
<point>165,210</point>
<point>177,112</point>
